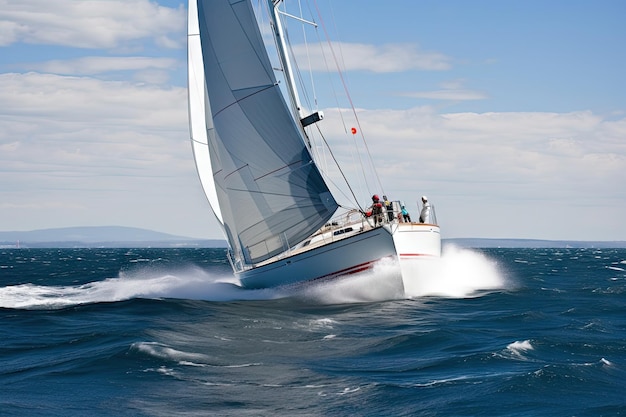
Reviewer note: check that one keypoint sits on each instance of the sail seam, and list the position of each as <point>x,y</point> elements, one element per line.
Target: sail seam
<point>278,169</point>
<point>238,169</point>
<point>243,98</point>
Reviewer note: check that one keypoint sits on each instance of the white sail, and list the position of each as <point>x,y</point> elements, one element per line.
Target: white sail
<point>271,194</point>
<point>198,108</point>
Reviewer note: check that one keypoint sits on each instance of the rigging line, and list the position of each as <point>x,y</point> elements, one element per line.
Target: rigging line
<point>311,102</point>
<point>348,96</point>
<point>297,72</point>
<point>335,96</point>
<point>336,30</point>
<point>339,167</point>
<point>308,56</point>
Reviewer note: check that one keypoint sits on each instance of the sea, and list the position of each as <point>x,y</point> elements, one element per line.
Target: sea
<point>168,332</point>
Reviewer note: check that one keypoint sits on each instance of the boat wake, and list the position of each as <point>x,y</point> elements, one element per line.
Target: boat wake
<point>190,283</point>
<point>458,273</point>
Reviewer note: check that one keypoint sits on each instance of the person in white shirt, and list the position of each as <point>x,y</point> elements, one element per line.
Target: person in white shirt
<point>425,213</point>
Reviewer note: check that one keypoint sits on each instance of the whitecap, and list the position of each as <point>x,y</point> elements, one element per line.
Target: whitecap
<point>162,351</point>
<point>161,370</point>
<point>187,363</point>
<point>517,348</point>
<point>324,323</point>
<point>606,362</point>
<point>349,390</point>
<point>243,365</point>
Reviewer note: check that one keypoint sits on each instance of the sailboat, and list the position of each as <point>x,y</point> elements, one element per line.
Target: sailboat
<point>255,163</point>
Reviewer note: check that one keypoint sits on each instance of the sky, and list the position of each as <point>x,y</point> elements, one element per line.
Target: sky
<point>509,116</point>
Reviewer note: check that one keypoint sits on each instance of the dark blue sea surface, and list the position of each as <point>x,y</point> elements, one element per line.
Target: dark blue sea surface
<point>166,332</point>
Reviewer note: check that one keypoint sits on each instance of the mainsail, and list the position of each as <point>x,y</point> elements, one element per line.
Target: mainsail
<point>271,194</point>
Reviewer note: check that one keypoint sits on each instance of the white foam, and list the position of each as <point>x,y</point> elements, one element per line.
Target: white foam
<point>606,362</point>
<point>322,323</point>
<point>458,273</point>
<point>161,351</point>
<point>383,282</point>
<point>518,348</point>
<point>193,284</point>
<point>349,390</point>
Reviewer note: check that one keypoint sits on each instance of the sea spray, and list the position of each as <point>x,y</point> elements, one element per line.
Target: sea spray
<point>383,282</point>
<point>458,273</point>
<point>184,283</point>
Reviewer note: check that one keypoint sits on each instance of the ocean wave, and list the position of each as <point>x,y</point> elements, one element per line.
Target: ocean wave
<point>161,351</point>
<point>517,348</point>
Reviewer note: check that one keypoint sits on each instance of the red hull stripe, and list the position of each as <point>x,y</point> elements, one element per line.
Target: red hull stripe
<point>334,275</point>
<point>348,271</point>
<point>414,255</point>
<point>337,274</point>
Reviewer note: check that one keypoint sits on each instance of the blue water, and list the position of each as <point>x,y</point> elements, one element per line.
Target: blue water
<point>164,332</point>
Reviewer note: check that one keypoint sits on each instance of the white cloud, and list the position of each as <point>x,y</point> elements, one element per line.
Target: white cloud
<point>68,129</point>
<point>364,57</point>
<point>88,151</point>
<point>91,65</point>
<point>101,103</point>
<point>576,146</point>
<point>75,150</point>
<point>453,90</point>
<point>502,169</point>
<point>105,24</point>
<point>448,94</point>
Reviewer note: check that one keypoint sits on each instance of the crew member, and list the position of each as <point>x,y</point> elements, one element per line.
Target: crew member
<point>425,213</point>
<point>376,210</point>
<point>405,215</point>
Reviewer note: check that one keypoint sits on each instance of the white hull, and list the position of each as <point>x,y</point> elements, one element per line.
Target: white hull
<point>416,243</point>
<point>417,240</point>
<point>353,254</point>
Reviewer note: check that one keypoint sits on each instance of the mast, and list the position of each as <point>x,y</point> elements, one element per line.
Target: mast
<point>281,46</point>
<point>279,36</point>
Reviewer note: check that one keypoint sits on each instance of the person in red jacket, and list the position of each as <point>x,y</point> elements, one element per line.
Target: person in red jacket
<point>376,210</point>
